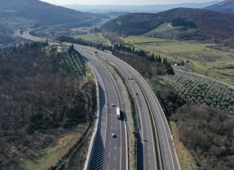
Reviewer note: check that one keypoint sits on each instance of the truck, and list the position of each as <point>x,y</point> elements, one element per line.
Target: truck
<point>118,113</point>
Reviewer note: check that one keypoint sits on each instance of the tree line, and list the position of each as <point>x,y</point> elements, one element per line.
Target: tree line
<point>35,93</point>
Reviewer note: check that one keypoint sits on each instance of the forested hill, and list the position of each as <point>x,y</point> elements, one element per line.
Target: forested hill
<point>42,12</point>
<point>225,6</point>
<point>211,23</point>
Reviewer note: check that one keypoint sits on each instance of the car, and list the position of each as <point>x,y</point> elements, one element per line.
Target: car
<point>113,135</point>
<point>136,93</point>
<point>112,105</point>
<point>128,78</point>
<point>133,81</point>
<point>131,78</point>
<point>96,52</point>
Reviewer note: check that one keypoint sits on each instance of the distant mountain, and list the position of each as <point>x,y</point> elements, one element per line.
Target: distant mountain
<point>225,6</point>
<point>210,23</point>
<point>44,13</point>
<point>134,8</point>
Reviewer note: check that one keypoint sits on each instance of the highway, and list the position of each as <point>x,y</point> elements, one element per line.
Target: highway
<point>168,157</point>
<point>146,149</point>
<point>110,153</point>
<point>167,152</point>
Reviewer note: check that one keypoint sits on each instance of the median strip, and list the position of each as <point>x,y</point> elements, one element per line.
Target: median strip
<point>154,131</point>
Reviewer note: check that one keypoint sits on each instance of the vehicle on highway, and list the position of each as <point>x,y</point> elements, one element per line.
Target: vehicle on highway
<point>118,113</point>
<point>131,78</point>
<point>95,52</point>
<point>113,135</point>
<point>136,93</point>
<point>112,105</point>
<point>133,81</point>
<point>128,78</point>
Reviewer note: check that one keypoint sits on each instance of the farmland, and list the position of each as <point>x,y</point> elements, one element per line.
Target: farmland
<point>72,63</point>
<point>204,58</point>
<point>97,38</point>
<point>198,90</point>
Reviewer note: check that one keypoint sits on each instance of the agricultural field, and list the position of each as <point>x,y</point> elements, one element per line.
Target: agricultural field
<point>198,90</point>
<point>16,23</point>
<point>204,58</point>
<point>97,38</point>
<point>72,63</point>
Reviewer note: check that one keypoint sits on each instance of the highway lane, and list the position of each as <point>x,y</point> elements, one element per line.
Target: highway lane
<point>114,149</point>
<point>146,149</point>
<point>166,150</point>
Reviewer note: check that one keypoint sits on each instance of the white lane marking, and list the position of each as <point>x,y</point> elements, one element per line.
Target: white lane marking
<point>107,167</point>
<point>115,146</point>
<point>114,158</point>
<point>109,155</point>
<point>149,161</point>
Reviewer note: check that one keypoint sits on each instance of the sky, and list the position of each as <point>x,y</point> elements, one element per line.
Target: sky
<point>121,2</point>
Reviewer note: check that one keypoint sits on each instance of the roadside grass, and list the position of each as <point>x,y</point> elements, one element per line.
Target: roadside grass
<point>45,158</point>
<point>89,72</point>
<point>185,158</point>
<point>203,57</point>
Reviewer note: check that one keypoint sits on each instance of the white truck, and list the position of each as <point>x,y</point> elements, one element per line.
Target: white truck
<point>118,113</point>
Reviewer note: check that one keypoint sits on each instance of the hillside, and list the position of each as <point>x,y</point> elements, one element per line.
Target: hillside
<point>5,35</point>
<point>210,23</point>
<point>225,6</point>
<point>44,13</point>
<point>137,8</point>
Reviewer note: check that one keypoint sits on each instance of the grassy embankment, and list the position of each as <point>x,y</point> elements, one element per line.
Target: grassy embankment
<point>185,158</point>
<point>60,145</point>
<point>203,59</point>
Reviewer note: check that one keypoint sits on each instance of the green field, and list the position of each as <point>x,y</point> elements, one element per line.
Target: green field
<point>204,59</point>
<point>93,38</point>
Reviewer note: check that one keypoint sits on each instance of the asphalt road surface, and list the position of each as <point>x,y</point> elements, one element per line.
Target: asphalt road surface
<point>111,150</point>
<point>146,158</point>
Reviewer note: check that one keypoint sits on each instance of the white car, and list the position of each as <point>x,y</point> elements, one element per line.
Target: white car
<point>113,135</point>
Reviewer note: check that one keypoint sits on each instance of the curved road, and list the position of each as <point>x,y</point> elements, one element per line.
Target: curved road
<point>168,156</point>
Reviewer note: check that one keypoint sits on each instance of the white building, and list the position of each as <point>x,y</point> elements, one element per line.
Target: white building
<point>62,49</point>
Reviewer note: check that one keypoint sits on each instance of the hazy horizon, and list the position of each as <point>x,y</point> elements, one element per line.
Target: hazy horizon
<point>123,2</point>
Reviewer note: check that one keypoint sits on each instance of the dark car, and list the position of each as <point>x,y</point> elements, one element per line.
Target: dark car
<point>113,135</point>
<point>136,93</point>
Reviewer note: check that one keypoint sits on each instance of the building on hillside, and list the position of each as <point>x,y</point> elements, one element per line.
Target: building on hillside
<point>62,49</point>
